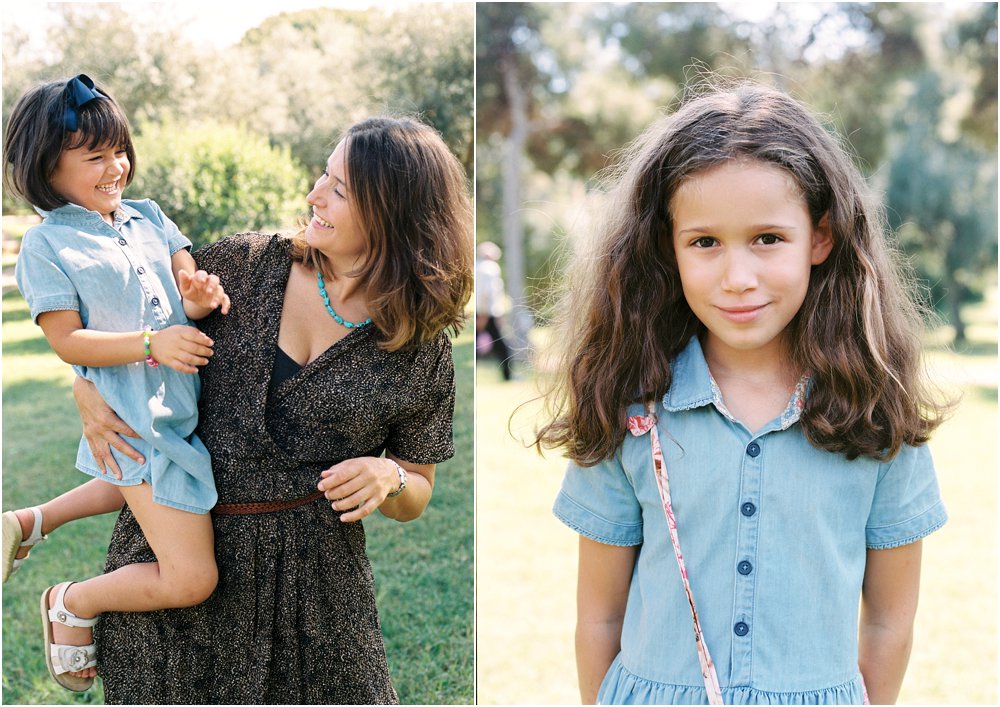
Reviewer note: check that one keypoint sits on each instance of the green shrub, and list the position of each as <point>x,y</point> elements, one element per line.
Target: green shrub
<point>214,180</point>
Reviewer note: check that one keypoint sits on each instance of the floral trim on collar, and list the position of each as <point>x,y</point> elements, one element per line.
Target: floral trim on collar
<point>793,411</point>
<point>120,217</point>
<point>789,416</point>
<point>717,398</point>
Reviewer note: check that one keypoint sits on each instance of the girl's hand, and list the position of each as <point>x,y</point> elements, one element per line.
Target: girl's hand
<point>181,347</point>
<point>361,484</point>
<point>102,428</point>
<point>203,290</point>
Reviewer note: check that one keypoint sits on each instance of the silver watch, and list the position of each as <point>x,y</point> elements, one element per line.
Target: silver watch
<point>402,479</point>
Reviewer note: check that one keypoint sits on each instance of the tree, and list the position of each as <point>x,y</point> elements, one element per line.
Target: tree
<point>308,88</point>
<point>975,41</point>
<point>298,79</point>
<point>423,63</point>
<point>507,82</point>
<point>152,73</point>
<point>215,180</point>
<point>942,201</point>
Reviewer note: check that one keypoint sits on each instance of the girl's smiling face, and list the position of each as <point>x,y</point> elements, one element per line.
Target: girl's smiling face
<point>745,246</point>
<point>92,178</point>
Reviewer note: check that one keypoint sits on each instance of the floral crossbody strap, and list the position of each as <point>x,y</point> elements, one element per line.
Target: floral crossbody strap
<point>639,425</point>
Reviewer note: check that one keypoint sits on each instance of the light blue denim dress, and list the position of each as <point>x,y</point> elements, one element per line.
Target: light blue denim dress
<point>119,279</point>
<point>774,533</point>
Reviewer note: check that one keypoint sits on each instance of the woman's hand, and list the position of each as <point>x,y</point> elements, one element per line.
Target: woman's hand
<point>181,347</point>
<point>102,428</point>
<point>361,485</point>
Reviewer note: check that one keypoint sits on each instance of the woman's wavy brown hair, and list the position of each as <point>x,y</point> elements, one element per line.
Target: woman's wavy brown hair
<point>411,197</point>
<point>625,316</point>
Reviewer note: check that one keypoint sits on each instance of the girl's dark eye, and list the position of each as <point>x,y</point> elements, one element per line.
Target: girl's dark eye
<point>770,238</point>
<point>704,242</point>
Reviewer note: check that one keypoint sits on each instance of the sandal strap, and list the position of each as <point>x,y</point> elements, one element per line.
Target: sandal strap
<point>67,659</point>
<point>36,529</point>
<point>60,614</point>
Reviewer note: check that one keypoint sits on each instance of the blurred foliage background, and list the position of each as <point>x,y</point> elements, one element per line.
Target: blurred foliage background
<point>231,139</point>
<point>912,86</point>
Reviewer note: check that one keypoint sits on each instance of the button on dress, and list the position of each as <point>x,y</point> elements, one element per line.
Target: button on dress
<point>293,619</point>
<point>774,533</point>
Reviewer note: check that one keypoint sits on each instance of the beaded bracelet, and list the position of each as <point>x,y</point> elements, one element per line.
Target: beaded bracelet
<point>147,334</point>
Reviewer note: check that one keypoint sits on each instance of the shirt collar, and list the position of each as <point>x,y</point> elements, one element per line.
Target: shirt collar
<point>692,386</point>
<point>74,214</point>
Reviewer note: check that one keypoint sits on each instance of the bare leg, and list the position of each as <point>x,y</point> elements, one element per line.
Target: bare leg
<point>185,573</point>
<point>93,498</point>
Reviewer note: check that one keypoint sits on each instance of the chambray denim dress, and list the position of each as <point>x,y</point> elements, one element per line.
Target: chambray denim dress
<point>774,533</point>
<point>119,278</point>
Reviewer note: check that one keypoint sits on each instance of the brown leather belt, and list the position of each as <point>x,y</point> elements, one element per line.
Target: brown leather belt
<point>245,509</point>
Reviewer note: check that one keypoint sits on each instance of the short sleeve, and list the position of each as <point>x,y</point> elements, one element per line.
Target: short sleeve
<point>423,435</point>
<point>41,278</point>
<point>175,239</point>
<point>907,504</point>
<point>600,503</point>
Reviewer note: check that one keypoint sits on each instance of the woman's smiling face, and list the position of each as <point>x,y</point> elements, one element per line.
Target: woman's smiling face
<point>334,228</point>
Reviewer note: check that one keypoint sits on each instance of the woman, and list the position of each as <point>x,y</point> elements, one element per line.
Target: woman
<point>334,350</point>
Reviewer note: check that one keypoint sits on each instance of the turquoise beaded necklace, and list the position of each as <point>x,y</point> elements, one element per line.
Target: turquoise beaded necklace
<point>336,317</point>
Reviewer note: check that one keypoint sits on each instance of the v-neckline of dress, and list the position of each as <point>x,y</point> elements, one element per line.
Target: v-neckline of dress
<point>278,308</point>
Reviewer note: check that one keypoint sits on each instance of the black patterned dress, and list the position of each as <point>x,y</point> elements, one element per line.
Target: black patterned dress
<point>293,619</point>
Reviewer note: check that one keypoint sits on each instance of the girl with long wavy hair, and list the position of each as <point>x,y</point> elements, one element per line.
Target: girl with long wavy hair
<point>742,376</point>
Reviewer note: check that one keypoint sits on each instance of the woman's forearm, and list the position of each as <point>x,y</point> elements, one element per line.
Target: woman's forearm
<point>410,504</point>
<point>597,644</point>
<point>883,654</point>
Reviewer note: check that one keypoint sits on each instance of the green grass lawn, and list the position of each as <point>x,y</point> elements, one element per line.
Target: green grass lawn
<point>423,569</point>
<point>526,559</point>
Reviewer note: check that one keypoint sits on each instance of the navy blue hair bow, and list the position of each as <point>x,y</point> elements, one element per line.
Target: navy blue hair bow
<point>79,92</point>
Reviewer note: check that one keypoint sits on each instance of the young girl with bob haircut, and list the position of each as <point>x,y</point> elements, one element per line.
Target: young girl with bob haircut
<point>743,380</point>
<point>101,275</point>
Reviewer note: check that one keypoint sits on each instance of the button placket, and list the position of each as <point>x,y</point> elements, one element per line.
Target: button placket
<point>141,270</point>
<point>744,564</point>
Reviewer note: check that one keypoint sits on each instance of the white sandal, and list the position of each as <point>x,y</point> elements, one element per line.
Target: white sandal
<point>14,541</point>
<point>61,659</point>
